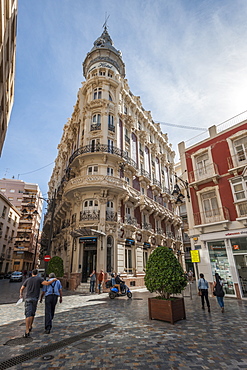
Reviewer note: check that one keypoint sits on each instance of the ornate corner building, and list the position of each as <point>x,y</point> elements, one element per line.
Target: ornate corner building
<point>8,21</point>
<point>110,190</point>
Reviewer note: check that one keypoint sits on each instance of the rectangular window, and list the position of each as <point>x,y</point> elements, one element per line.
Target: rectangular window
<point>12,191</point>
<point>128,260</point>
<point>93,170</point>
<point>4,211</point>
<point>202,163</point>
<point>109,171</point>
<point>145,258</point>
<point>241,149</point>
<point>210,205</point>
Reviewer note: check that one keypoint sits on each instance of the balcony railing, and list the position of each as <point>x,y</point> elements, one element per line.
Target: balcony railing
<point>130,220</point>
<point>157,182</point>
<point>141,152</point>
<point>145,173</point>
<point>159,231</point>
<point>89,215</point>
<point>95,126</point>
<point>103,148</point>
<point>111,216</point>
<point>127,139</point>
<point>111,128</point>
<point>214,215</point>
<point>237,160</point>
<point>242,209</point>
<point>203,173</point>
<point>147,226</point>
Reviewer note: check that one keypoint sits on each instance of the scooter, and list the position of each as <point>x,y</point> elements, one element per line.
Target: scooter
<point>114,292</point>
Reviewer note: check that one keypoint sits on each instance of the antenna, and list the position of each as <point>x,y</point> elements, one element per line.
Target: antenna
<point>106,19</point>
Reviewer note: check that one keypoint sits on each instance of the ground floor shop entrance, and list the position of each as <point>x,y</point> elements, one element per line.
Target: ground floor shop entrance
<point>89,256</point>
<point>241,264</point>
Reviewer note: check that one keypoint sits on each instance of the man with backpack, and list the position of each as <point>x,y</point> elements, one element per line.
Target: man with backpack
<point>51,293</point>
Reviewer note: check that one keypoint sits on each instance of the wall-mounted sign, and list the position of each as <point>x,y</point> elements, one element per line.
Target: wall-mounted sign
<point>195,256</point>
<point>130,242</point>
<point>88,239</point>
<point>146,245</point>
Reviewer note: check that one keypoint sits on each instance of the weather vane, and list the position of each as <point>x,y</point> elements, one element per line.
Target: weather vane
<point>106,19</point>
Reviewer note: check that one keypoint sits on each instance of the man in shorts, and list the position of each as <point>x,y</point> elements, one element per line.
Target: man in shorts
<point>33,285</point>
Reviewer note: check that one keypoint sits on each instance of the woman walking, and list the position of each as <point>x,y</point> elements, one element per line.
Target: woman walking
<point>203,289</point>
<point>218,291</point>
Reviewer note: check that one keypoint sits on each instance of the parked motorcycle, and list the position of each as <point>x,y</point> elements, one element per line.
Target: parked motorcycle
<point>114,292</point>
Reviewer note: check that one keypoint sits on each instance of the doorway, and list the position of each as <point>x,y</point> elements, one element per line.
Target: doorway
<point>241,265</point>
<point>89,261</point>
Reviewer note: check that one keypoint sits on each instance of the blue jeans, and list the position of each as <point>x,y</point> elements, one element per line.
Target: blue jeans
<point>220,301</point>
<point>92,286</point>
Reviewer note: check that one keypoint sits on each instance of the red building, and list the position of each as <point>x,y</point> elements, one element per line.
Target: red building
<point>216,169</point>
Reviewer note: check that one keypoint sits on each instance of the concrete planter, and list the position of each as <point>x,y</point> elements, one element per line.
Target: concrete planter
<point>166,310</point>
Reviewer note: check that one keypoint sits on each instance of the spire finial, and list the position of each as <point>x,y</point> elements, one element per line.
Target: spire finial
<point>106,19</point>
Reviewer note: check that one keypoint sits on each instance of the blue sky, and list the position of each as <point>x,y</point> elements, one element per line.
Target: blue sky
<point>186,59</point>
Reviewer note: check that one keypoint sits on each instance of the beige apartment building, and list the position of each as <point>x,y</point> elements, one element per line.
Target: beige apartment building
<point>27,199</point>
<point>9,221</point>
<point>8,20</point>
<point>110,189</point>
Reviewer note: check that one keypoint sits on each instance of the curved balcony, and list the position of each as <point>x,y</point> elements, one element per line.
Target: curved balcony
<point>111,216</point>
<point>103,148</point>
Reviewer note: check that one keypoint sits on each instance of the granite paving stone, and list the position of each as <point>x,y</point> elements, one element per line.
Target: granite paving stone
<point>203,341</point>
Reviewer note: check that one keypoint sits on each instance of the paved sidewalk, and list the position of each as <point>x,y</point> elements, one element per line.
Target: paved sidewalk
<point>94,332</point>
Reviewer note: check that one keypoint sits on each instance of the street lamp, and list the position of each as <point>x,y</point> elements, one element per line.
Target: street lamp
<point>177,191</point>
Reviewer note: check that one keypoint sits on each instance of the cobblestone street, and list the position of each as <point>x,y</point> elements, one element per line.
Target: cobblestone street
<point>94,332</point>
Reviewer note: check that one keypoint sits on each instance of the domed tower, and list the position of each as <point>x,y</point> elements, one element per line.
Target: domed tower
<point>111,182</point>
<point>103,54</point>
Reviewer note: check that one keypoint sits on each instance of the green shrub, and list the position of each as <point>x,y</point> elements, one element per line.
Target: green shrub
<point>164,274</point>
<point>55,265</point>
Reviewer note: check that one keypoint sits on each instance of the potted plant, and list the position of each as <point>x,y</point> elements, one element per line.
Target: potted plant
<point>165,276</point>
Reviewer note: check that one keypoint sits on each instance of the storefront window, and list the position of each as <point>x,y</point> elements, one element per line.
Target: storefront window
<point>239,245</point>
<point>220,264</point>
<point>239,249</point>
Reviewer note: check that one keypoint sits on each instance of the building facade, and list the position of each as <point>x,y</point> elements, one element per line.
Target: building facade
<point>26,198</point>
<point>9,221</point>
<point>217,175</point>
<point>8,26</point>
<point>110,190</point>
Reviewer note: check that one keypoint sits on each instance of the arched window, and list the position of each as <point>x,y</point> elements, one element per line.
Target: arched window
<point>110,254</point>
<point>110,120</point>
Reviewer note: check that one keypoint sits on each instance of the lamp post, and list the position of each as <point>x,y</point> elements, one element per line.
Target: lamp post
<point>177,191</point>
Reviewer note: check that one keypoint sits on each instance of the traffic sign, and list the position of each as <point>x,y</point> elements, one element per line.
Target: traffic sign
<point>47,258</point>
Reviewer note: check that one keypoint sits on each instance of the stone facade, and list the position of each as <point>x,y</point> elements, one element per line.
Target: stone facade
<point>110,189</point>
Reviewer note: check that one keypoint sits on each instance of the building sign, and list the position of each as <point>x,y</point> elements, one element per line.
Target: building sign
<point>195,256</point>
<point>88,240</point>
<point>129,242</point>
<point>146,245</point>
<point>235,247</point>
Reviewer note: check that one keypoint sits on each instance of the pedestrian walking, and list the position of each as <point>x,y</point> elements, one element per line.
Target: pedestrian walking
<point>219,292</point>
<point>32,286</point>
<point>191,275</point>
<point>92,281</point>
<point>51,293</point>
<point>203,291</point>
<point>101,276</point>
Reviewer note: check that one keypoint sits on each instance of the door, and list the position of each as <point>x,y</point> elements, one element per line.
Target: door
<point>241,264</point>
<point>89,261</point>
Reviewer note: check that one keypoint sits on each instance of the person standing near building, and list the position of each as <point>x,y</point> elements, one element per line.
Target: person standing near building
<point>203,288</point>
<point>190,275</point>
<point>92,281</point>
<point>32,285</point>
<point>51,293</point>
<point>219,292</point>
<point>101,276</point>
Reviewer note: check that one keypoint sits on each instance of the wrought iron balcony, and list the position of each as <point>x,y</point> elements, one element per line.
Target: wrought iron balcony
<point>170,235</point>
<point>95,126</point>
<point>147,226</point>
<point>237,160</point>
<point>103,148</point>
<point>130,220</point>
<point>159,231</point>
<point>157,182</point>
<point>213,215</point>
<point>111,216</point>
<point>127,139</point>
<point>111,128</point>
<point>206,172</point>
<point>89,215</point>
<point>145,174</point>
<point>141,152</point>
